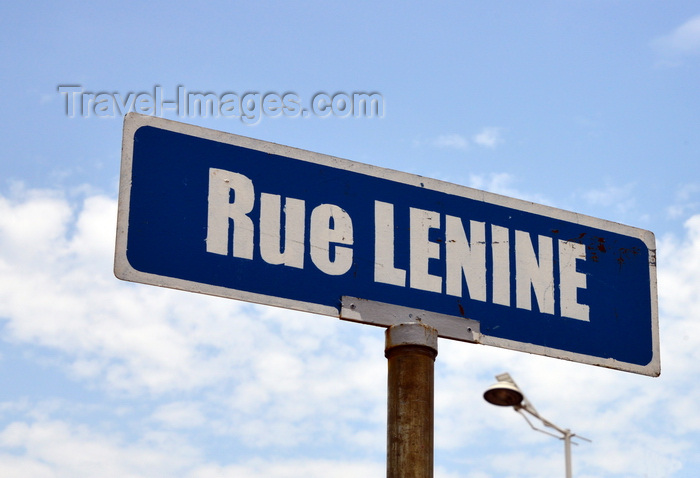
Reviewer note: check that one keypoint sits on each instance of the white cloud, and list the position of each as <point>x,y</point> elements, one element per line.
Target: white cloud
<point>180,415</point>
<point>499,183</point>
<point>618,197</point>
<point>682,42</point>
<point>503,184</point>
<point>488,137</point>
<point>280,383</point>
<point>679,291</point>
<point>292,469</point>
<point>57,292</point>
<point>452,141</point>
<point>57,449</point>
<point>685,201</point>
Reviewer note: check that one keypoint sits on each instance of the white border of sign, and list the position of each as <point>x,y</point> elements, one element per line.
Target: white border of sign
<point>124,271</point>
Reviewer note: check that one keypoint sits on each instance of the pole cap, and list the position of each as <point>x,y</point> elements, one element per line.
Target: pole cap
<point>411,333</point>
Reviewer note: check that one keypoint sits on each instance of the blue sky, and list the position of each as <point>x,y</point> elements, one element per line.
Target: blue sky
<point>586,106</point>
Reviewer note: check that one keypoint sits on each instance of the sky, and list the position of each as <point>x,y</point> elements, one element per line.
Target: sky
<point>588,106</point>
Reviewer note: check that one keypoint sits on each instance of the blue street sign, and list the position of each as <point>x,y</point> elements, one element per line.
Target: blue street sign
<point>216,213</point>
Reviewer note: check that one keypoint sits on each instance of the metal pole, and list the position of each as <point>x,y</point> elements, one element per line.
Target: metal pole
<point>411,349</point>
<point>567,452</point>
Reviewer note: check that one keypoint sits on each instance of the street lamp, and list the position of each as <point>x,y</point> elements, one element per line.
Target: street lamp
<point>506,393</point>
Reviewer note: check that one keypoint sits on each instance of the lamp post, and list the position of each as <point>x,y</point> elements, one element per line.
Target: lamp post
<point>506,393</point>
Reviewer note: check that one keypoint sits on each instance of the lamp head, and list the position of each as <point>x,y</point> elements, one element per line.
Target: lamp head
<point>504,394</point>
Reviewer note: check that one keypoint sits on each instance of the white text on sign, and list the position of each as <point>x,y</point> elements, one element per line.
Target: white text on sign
<point>232,197</point>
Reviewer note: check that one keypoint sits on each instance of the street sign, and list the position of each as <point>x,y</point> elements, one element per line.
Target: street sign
<point>220,214</point>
